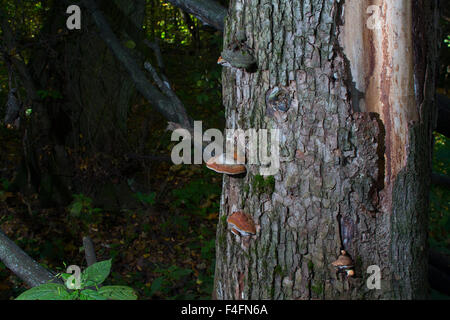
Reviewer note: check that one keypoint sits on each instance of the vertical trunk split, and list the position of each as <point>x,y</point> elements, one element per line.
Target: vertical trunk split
<point>355,144</point>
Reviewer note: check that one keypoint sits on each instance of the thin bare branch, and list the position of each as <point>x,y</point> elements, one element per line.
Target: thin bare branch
<point>207,11</point>
<point>155,47</point>
<point>169,108</point>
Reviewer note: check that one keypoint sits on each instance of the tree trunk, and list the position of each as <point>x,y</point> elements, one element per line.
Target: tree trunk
<point>356,143</point>
<point>96,91</point>
<point>101,88</point>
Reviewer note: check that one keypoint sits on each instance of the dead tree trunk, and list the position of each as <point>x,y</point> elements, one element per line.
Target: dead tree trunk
<point>356,144</point>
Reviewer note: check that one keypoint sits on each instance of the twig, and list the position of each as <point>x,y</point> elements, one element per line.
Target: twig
<point>155,47</point>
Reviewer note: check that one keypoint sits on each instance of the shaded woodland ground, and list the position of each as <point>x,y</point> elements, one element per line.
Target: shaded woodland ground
<point>159,228</point>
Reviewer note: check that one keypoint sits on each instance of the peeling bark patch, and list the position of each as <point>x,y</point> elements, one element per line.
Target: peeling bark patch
<point>381,62</point>
<point>386,114</point>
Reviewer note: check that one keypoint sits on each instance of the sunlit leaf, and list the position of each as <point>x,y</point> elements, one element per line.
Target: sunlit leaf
<point>48,291</point>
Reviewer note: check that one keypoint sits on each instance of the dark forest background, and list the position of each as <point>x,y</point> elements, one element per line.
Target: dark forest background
<point>157,221</point>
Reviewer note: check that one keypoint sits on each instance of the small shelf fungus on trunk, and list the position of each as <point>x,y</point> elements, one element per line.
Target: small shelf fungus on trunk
<point>238,55</point>
<point>222,164</point>
<point>344,264</point>
<point>241,224</point>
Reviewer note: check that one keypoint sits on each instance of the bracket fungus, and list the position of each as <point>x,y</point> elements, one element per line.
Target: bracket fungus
<point>344,263</point>
<point>241,224</point>
<point>238,54</point>
<point>234,231</point>
<point>222,164</point>
<point>224,63</point>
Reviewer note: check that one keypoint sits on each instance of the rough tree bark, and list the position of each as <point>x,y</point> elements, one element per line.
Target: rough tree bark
<point>356,142</point>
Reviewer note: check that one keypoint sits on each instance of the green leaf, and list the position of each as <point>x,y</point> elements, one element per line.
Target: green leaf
<point>156,285</point>
<point>76,208</point>
<point>47,291</point>
<point>42,93</point>
<point>89,294</point>
<point>65,276</point>
<point>118,293</point>
<point>96,273</point>
<point>146,198</point>
<point>177,275</point>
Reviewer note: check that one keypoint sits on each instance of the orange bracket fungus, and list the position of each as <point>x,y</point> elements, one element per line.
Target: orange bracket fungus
<point>344,264</point>
<point>241,224</point>
<point>222,164</point>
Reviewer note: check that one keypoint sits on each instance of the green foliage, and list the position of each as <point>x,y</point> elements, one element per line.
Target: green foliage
<point>5,184</point>
<point>130,44</point>
<point>194,194</point>
<point>82,205</point>
<point>167,278</point>
<point>96,273</point>
<point>89,294</point>
<point>26,17</point>
<point>167,23</point>
<point>441,154</point>
<point>117,293</point>
<point>146,198</point>
<point>208,249</point>
<point>43,94</point>
<point>181,223</point>
<point>92,276</point>
<point>439,226</point>
<point>447,40</point>
<point>47,291</point>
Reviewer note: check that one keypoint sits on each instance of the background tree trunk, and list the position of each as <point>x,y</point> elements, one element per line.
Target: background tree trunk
<point>357,148</point>
<point>91,114</point>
